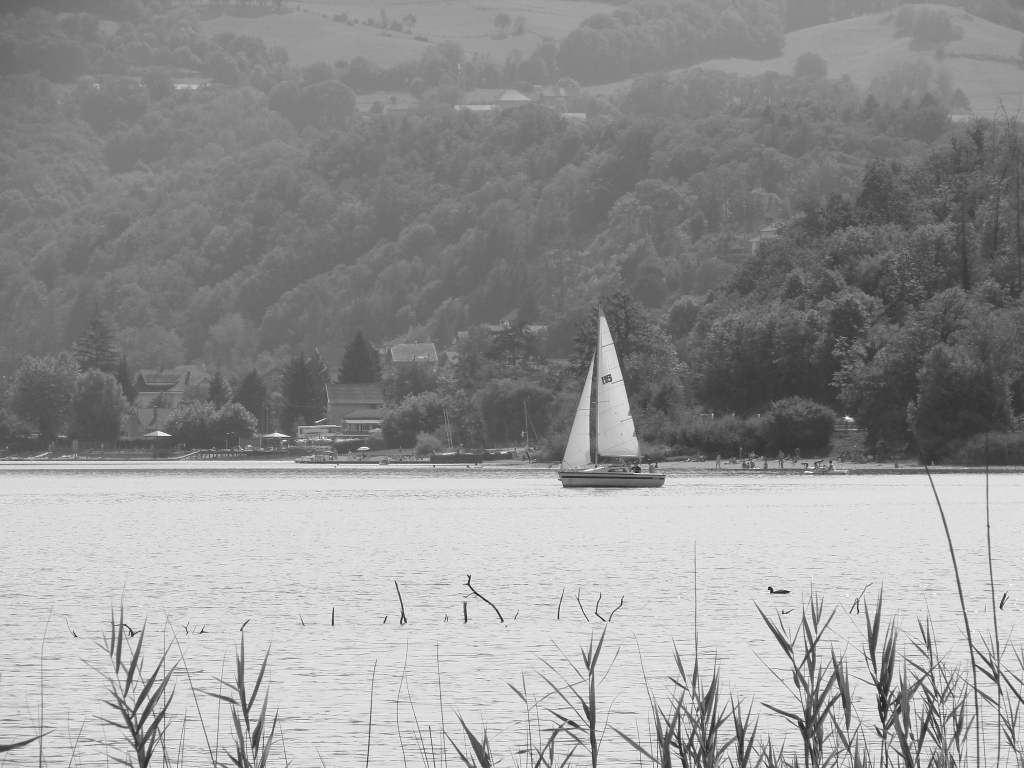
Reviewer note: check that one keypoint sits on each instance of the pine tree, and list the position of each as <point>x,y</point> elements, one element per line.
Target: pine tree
<point>252,395</point>
<point>361,362</point>
<point>124,378</point>
<point>95,348</point>
<point>219,391</point>
<point>304,388</point>
<point>295,389</point>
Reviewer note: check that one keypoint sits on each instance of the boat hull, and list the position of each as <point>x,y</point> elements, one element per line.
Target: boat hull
<point>605,479</point>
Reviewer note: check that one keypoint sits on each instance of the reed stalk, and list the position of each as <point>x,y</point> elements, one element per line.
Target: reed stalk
<point>580,720</point>
<point>994,661</point>
<point>963,613</point>
<point>816,686</point>
<point>369,720</point>
<point>141,701</point>
<point>253,727</point>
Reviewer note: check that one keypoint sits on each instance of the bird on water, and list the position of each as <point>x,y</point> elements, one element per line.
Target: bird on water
<point>774,591</point>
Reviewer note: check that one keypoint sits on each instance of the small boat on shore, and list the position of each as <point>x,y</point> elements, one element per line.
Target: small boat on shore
<point>614,432</point>
<point>319,457</point>
<point>821,468</point>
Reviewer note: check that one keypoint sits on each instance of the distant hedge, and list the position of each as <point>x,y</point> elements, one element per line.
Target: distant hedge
<point>996,449</point>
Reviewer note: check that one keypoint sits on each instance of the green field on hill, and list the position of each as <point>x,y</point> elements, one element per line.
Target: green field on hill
<point>310,32</point>
<point>983,63</point>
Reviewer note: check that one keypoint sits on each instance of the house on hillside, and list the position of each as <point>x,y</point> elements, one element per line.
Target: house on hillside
<point>512,98</point>
<point>411,354</point>
<point>158,393</point>
<point>357,408</point>
<point>191,83</point>
<point>478,108</point>
<point>485,100</point>
<point>769,232</point>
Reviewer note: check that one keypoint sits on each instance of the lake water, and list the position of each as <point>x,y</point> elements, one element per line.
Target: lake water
<point>280,546</point>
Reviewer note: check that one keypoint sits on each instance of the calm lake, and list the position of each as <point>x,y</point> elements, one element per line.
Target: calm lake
<point>279,546</point>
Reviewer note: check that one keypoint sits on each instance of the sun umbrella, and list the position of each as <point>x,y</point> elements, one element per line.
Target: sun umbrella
<point>363,448</point>
<point>276,435</point>
<point>156,433</point>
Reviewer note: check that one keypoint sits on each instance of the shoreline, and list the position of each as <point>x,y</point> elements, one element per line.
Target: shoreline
<point>672,467</point>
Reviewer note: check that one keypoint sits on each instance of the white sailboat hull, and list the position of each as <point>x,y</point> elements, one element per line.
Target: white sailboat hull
<point>601,477</point>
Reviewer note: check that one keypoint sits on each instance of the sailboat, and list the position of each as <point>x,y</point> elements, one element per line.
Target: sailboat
<point>614,433</point>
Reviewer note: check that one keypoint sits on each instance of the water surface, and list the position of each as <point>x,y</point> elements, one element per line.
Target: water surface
<point>281,546</point>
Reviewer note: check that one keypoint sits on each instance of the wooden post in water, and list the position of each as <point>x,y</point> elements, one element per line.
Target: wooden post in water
<point>401,605</point>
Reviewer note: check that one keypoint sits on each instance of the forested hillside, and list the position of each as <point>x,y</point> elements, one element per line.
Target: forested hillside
<point>240,222</point>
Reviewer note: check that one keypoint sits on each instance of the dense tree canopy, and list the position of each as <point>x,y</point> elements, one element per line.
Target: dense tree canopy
<point>43,391</point>
<point>97,407</point>
<point>242,222</point>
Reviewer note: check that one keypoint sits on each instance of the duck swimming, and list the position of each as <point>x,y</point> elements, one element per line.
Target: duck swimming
<point>774,591</point>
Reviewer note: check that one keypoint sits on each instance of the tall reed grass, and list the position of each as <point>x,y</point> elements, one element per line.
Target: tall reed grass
<point>899,699</point>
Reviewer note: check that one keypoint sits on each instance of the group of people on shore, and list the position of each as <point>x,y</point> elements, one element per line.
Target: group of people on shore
<point>761,462</point>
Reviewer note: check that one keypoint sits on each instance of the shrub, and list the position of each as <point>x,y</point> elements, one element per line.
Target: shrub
<point>798,423</point>
<point>427,444</point>
<point>810,65</point>
<point>712,435</point>
<point>999,449</point>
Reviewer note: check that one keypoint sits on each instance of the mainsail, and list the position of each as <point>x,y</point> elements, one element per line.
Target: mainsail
<point>616,435</point>
<point>577,449</point>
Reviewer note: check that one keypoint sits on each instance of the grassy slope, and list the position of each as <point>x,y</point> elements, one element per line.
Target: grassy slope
<point>866,47</point>
<point>309,34</point>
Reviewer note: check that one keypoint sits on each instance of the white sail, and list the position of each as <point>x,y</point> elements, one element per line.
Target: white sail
<point>577,449</point>
<point>616,435</point>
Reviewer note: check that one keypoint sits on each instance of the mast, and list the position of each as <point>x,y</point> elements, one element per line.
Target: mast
<point>595,448</point>
<point>526,428</point>
<point>447,429</point>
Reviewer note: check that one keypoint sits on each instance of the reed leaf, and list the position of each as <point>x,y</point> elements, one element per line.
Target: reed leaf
<point>19,744</point>
<point>142,700</point>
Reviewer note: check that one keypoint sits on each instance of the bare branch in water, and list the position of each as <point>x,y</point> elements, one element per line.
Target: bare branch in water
<point>469,584</point>
<point>580,604</point>
<point>622,601</point>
